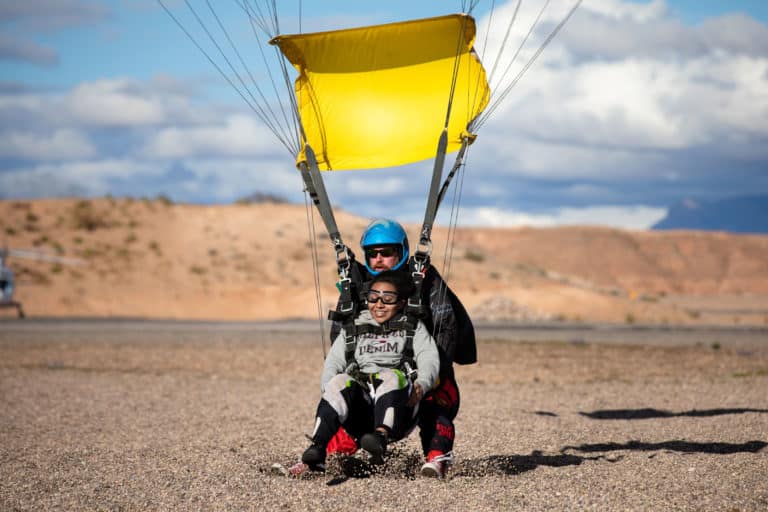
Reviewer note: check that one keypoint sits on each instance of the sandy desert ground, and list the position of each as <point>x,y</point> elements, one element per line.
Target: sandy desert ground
<point>133,415</point>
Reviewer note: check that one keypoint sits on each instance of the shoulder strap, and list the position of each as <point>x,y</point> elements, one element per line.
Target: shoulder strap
<point>350,341</point>
<point>350,285</point>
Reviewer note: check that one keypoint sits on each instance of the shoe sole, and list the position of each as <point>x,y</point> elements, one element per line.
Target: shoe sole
<point>373,449</point>
<point>430,472</point>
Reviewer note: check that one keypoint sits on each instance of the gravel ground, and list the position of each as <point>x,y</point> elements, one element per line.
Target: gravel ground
<point>135,418</point>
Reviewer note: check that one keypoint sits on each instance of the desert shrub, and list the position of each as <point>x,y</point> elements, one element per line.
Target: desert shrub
<point>34,276</point>
<point>85,216</point>
<point>261,198</point>
<point>131,238</point>
<point>57,268</point>
<point>31,217</point>
<point>164,200</point>
<point>475,256</point>
<point>10,231</point>
<point>629,318</point>
<point>195,269</point>
<point>91,252</point>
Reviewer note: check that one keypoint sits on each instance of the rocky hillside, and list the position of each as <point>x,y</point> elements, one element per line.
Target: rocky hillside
<point>155,259</point>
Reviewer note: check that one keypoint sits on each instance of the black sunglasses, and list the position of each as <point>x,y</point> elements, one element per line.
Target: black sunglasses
<point>386,252</point>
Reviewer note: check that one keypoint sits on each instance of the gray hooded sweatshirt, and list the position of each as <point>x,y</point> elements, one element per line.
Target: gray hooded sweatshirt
<point>374,352</point>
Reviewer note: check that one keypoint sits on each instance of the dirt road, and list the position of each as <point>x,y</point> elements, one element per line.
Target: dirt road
<point>135,415</point>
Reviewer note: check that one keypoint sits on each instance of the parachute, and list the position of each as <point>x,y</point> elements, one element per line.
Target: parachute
<point>376,96</point>
<point>371,97</point>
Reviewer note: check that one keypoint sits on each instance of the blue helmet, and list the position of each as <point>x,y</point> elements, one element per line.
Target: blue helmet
<point>385,232</point>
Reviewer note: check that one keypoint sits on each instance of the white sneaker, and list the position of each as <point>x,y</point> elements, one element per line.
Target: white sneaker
<point>437,465</point>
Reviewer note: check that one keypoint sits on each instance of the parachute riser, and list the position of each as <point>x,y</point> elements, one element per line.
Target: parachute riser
<point>434,190</point>
<point>314,185</point>
<point>437,192</point>
<point>465,142</point>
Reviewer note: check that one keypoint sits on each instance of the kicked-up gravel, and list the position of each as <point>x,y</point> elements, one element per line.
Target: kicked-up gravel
<point>132,417</point>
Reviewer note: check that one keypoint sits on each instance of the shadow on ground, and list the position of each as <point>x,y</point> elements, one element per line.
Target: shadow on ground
<point>647,413</point>
<point>405,464</point>
<point>515,464</point>
<point>676,446</point>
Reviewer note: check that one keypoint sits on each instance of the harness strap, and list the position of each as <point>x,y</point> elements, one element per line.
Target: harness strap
<point>417,264</point>
<point>350,341</point>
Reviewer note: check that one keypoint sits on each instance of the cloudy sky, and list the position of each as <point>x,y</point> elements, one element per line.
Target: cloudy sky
<point>634,106</point>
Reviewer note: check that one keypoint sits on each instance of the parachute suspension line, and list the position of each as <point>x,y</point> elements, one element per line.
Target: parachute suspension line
<point>312,232</point>
<point>470,126</point>
<point>291,126</point>
<point>505,39</point>
<point>458,167</point>
<point>285,130</point>
<point>257,109</point>
<point>498,100</point>
<point>468,9</point>
<point>522,43</point>
<point>454,219</point>
<point>425,244</point>
<point>310,173</point>
<point>257,16</point>
<point>227,60</point>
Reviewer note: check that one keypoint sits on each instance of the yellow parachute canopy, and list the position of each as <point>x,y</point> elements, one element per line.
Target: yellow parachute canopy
<point>378,96</point>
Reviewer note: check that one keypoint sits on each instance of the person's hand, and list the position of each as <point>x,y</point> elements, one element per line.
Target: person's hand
<point>416,395</point>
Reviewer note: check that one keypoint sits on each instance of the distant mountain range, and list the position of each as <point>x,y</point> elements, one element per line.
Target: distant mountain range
<point>746,214</point>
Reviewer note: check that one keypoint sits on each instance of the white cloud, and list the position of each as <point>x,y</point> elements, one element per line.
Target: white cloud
<point>89,176</point>
<point>228,179</point>
<point>622,11</point>
<point>115,103</point>
<point>621,105</point>
<point>78,177</point>
<point>61,144</point>
<point>625,217</point>
<point>236,136</point>
<point>373,185</point>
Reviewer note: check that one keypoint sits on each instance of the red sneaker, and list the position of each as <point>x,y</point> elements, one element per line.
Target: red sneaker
<point>437,464</point>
